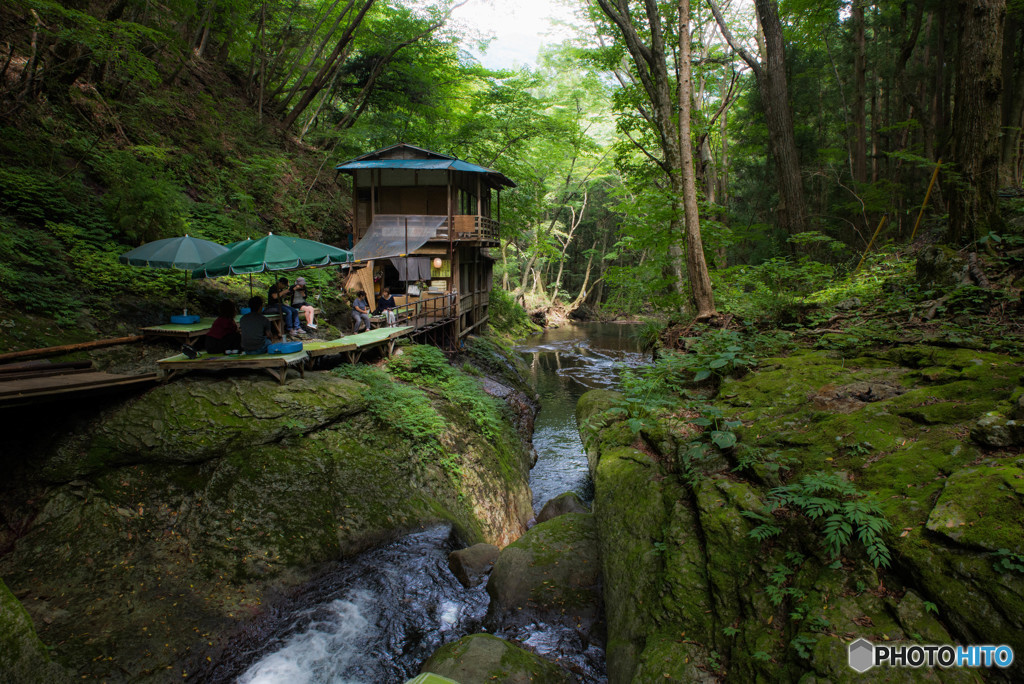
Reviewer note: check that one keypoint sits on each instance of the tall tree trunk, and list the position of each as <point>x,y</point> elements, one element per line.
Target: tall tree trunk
<point>976,114</point>
<point>1013,100</point>
<point>771,82</point>
<point>860,168</point>
<point>696,267</point>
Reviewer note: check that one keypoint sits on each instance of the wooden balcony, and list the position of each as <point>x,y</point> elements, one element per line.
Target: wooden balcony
<point>471,228</point>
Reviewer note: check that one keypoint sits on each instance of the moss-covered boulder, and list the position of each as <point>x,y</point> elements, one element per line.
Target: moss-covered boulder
<point>569,502</point>
<point>23,657</point>
<point>483,658</point>
<point>552,574</point>
<point>194,420</point>
<point>167,520</point>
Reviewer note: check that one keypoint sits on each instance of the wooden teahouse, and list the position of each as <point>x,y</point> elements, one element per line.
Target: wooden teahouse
<point>422,226</point>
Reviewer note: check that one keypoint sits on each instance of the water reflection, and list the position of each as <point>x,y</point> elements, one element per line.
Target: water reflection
<point>563,364</point>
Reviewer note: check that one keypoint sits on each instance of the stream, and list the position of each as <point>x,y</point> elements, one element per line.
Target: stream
<point>376,617</point>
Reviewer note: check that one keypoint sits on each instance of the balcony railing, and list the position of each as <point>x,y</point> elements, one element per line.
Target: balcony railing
<point>471,227</point>
<point>426,312</point>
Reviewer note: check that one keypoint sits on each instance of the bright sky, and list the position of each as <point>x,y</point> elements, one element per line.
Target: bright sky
<point>519,28</point>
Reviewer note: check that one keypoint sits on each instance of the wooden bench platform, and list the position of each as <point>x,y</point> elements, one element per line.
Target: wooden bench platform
<point>275,364</point>
<point>354,345</point>
<point>190,333</point>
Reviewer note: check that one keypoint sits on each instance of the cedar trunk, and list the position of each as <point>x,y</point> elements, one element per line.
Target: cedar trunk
<point>976,117</point>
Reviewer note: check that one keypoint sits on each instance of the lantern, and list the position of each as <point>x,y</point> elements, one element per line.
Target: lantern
<point>437,262</point>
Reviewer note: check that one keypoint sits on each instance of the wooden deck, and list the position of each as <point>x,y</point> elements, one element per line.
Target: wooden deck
<point>275,364</point>
<point>37,384</point>
<point>354,345</point>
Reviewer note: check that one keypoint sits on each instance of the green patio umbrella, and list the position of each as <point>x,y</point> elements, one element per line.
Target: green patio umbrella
<point>272,253</point>
<point>183,253</point>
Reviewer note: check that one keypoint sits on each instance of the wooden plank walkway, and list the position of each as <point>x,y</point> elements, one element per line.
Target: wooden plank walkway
<point>275,364</point>
<point>354,345</point>
<point>26,387</point>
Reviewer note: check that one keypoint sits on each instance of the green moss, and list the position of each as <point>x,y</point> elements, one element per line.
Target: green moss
<point>486,658</point>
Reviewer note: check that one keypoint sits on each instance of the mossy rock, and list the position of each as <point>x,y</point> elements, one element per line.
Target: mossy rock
<point>551,574</point>
<point>483,658</point>
<point>996,431</point>
<point>195,420</point>
<point>568,502</point>
<point>23,657</point>
<point>673,658</point>
<point>982,507</point>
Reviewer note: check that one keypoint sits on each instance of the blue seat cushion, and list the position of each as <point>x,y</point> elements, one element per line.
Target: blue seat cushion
<point>285,348</point>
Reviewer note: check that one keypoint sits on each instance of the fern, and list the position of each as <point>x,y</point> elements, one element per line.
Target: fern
<point>845,511</point>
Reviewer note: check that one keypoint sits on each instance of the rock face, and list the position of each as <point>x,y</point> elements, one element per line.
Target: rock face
<point>691,595</point>
<point>563,503</point>
<point>23,657</point>
<point>171,516</point>
<point>480,658</point>
<point>471,566</point>
<point>551,574</point>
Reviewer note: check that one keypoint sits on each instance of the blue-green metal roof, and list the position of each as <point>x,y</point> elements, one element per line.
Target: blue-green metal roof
<point>425,165</point>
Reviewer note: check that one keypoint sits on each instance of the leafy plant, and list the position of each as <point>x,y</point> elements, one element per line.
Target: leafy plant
<point>1007,561</point>
<point>843,509</point>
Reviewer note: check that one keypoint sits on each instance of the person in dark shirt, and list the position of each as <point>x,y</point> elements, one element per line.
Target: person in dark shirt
<point>360,313</point>
<point>224,333</point>
<point>386,303</point>
<point>275,304</point>
<point>255,328</point>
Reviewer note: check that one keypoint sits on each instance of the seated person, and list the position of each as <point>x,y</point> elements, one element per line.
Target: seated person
<point>360,313</point>
<point>386,305</point>
<point>255,328</point>
<point>275,304</point>
<point>224,333</point>
<point>299,303</point>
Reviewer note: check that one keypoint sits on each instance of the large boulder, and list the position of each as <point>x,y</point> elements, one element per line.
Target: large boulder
<point>194,420</point>
<point>471,565</point>
<point>569,502</point>
<point>552,574</point>
<point>483,658</point>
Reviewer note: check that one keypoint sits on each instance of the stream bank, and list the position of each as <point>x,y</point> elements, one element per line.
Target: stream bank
<point>926,433</point>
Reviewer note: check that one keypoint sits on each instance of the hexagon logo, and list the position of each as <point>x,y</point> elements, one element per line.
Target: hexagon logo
<point>861,655</point>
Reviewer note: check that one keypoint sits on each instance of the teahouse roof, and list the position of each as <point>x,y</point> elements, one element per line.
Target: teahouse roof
<point>403,156</point>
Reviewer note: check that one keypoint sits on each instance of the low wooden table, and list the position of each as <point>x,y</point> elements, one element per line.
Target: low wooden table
<point>275,364</point>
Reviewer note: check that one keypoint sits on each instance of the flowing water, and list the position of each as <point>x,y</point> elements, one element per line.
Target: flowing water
<point>563,364</point>
<point>375,618</point>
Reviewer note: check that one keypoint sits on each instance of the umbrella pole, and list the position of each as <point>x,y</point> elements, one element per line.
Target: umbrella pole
<point>185,310</point>
<point>250,286</point>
